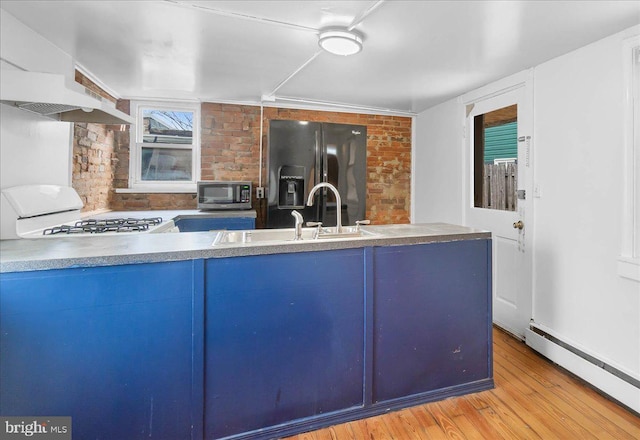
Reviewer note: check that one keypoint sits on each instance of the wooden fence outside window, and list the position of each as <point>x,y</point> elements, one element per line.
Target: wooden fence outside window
<point>500,186</point>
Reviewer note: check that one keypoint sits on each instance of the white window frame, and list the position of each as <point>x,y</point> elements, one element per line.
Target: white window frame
<point>136,184</point>
<point>629,260</point>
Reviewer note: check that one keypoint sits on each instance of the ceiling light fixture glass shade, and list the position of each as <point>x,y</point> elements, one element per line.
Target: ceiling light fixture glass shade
<point>340,41</point>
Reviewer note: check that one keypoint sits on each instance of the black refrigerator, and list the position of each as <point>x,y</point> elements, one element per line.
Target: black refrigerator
<point>302,154</point>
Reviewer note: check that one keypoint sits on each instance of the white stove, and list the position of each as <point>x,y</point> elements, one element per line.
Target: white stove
<point>50,211</point>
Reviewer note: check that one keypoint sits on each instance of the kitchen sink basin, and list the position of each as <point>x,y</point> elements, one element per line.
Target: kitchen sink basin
<point>286,235</point>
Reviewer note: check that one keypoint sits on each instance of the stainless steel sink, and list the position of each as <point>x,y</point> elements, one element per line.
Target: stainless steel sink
<point>347,232</point>
<point>287,235</point>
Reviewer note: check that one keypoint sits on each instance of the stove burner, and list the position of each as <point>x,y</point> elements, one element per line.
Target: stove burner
<point>92,226</point>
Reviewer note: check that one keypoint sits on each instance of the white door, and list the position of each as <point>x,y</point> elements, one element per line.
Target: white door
<point>492,170</point>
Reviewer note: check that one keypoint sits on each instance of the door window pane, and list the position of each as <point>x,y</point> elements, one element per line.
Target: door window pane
<point>495,159</point>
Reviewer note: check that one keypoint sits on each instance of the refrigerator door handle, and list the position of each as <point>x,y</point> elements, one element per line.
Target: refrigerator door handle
<point>325,172</point>
<point>319,175</point>
<point>325,176</point>
<point>319,172</point>
<point>321,158</point>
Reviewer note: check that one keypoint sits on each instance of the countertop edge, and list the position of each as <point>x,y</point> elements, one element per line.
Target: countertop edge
<point>197,245</point>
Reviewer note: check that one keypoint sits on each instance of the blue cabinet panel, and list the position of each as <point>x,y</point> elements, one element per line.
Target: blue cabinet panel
<point>432,315</point>
<point>209,224</point>
<point>252,347</point>
<point>111,347</point>
<point>284,338</point>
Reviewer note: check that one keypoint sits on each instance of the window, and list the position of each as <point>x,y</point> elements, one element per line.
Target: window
<point>165,147</point>
<point>495,159</point>
<point>629,261</point>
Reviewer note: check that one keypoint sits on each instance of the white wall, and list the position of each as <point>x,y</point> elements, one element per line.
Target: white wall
<point>578,155</point>
<point>33,149</point>
<point>437,156</point>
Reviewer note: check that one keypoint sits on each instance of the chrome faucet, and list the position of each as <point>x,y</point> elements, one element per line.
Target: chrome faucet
<point>299,222</point>
<point>338,202</point>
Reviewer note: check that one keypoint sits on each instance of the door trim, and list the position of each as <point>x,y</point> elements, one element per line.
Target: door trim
<point>524,81</point>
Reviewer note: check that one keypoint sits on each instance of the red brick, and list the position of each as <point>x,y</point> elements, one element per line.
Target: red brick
<point>230,151</point>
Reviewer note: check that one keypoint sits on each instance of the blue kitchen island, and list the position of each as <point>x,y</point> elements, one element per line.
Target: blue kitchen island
<point>170,336</point>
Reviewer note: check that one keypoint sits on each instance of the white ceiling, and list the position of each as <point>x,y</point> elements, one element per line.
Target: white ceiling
<point>416,53</point>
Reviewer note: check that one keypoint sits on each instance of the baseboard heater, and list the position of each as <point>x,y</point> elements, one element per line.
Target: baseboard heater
<point>595,361</point>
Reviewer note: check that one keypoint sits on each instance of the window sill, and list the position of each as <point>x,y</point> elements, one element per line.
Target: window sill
<point>629,268</point>
<point>187,189</point>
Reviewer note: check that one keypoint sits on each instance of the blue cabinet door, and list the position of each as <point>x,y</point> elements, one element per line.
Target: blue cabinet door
<point>284,338</point>
<point>432,317</point>
<point>112,347</point>
<point>210,224</point>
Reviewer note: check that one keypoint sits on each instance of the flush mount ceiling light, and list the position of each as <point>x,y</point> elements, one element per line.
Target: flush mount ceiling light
<point>340,41</point>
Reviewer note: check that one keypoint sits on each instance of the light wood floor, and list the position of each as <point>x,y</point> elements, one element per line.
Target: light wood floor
<point>533,399</point>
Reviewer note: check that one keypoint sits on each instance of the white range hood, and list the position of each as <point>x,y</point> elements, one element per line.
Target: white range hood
<point>53,96</point>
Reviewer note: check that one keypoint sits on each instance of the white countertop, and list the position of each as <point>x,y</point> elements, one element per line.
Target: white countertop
<point>66,252</point>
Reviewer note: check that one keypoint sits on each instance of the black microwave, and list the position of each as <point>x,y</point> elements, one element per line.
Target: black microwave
<point>224,195</point>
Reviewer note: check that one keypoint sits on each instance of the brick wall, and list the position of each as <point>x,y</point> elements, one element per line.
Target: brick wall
<point>86,82</point>
<point>93,157</point>
<point>230,150</point>
<point>92,174</point>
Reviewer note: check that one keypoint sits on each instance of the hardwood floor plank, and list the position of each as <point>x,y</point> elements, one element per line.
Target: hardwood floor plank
<point>428,422</point>
<point>342,432</point>
<point>497,424</point>
<point>606,421</point>
<point>307,436</point>
<point>325,434</point>
<point>376,428</point>
<point>359,429</point>
<point>533,399</point>
<point>466,427</point>
<point>477,400</point>
<point>550,411</point>
<point>541,373</point>
<point>445,422</point>
<point>406,425</point>
<point>436,433</point>
<point>394,427</point>
<point>561,376</point>
<point>603,418</point>
<point>509,421</point>
<point>456,410</point>
<point>542,416</point>
<point>450,407</point>
<point>481,425</point>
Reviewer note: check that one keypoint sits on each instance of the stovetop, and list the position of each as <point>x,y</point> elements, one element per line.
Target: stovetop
<point>53,211</point>
<point>95,226</point>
